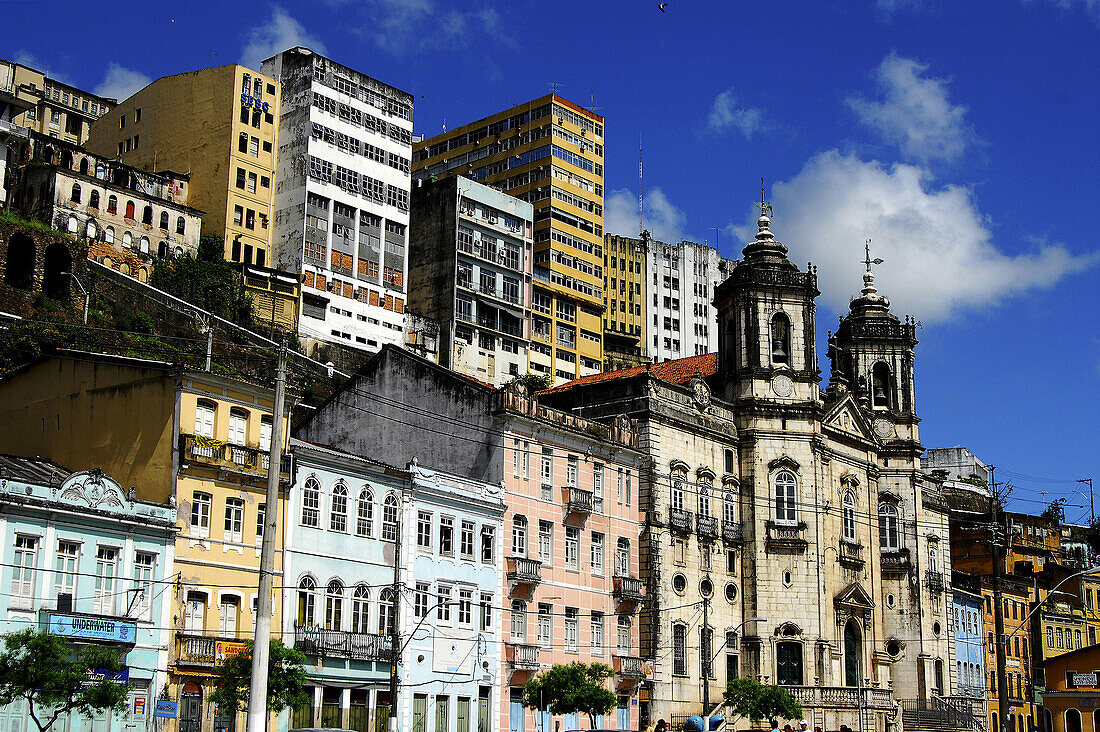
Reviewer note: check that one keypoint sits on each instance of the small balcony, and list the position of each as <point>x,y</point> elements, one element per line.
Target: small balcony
<point>679,520</point>
<point>851,555</point>
<point>628,667</point>
<point>706,527</point>
<point>785,537</point>
<point>842,697</point>
<point>733,533</point>
<point>580,501</point>
<point>522,656</point>
<point>315,641</point>
<point>935,580</point>
<point>204,650</point>
<point>896,561</point>
<point>629,588</point>
<point>526,571</point>
<point>226,456</point>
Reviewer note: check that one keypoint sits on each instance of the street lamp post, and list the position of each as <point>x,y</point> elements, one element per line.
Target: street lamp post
<point>87,297</point>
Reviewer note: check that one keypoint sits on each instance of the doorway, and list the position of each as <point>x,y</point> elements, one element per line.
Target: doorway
<point>853,653</point>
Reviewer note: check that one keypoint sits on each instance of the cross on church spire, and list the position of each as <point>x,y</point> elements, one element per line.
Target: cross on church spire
<point>868,261</point>
<point>764,206</point>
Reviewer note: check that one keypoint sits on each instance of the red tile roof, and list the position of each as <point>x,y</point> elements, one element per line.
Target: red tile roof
<point>675,372</point>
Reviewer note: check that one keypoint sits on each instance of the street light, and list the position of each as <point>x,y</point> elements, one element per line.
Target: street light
<point>87,297</point>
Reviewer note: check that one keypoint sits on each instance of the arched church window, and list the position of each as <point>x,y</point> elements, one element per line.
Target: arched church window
<point>781,338</point>
<point>848,517</point>
<point>880,385</point>
<point>785,510</point>
<point>888,538</point>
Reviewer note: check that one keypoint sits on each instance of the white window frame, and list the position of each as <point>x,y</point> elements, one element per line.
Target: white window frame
<point>785,492</point>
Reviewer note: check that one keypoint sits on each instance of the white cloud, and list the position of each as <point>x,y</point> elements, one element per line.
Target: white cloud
<point>402,26</point>
<point>725,114</point>
<point>915,113</point>
<point>281,32</point>
<point>120,82</point>
<point>939,250</point>
<point>664,220</point>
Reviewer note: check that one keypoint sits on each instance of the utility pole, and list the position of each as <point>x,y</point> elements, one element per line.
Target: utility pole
<point>395,637</point>
<point>1092,501</point>
<point>706,664</point>
<point>261,645</point>
<point>998,603</point>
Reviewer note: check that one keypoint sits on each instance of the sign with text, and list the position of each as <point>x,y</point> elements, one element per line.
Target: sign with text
<point>1084,679</point>
<point>226,649</point>
<point>165,709</point>
<point>139,706</point>
<point>80,627</point>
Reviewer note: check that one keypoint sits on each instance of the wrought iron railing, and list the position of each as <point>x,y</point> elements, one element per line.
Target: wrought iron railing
<point>629,667</point>
<point>732,533</point>
<point>706,526</point>
<point>313,640</point>
<point>679,520</point>
<point>629,588</point>
<point>227,455</point>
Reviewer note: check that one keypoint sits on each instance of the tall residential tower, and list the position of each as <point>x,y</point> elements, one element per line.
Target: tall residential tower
<point>548,152</point>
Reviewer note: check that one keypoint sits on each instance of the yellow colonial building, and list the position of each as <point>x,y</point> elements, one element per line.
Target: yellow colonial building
<point>50,106</point>
<point>182,435</point>
<point>221,126</point>
<point>549,152</point>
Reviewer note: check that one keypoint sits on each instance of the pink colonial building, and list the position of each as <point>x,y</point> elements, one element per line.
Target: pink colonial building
<point>571,584</point>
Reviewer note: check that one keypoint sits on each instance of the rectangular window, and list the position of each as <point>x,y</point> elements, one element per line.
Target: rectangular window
<point>546,624</point>
<point>597,553</point>
<point>679,650</point>
<point>547,470</point>
<point>597,633</point>
<point>420,600</point>
<point>488,544</point>
<point>144,568</point>
<point>106,580</point>
<point>571,470</point>
<point>465,607</point>
<point>251,183</point>
<point>571,630</point>
<point>26,561</point>
<point>64,580</point>
<point>546,542</point>
<point>424,530</point>
<point>444,610</point>
<point>446,536</point>
<point>486,611</point>
<point>572,546</point>
<point>241,177</point>
<point>466,540</point>
<point>200,512</point>
<point>234,519</point>
<point>254,147</point>
<point>261,519</point>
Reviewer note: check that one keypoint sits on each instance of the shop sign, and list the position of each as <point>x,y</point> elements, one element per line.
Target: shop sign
<point>121,676</point>
<point>88,628</point>
<point>139,706</point>
<point>1084,679</point>
<point>165,709</point>
<point>227,649</point>
<point>250,101</point>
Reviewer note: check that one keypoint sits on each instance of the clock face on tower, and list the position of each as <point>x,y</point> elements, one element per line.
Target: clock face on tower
<point>782,385</point>
<point>701,393</point>
<point>883,427</point>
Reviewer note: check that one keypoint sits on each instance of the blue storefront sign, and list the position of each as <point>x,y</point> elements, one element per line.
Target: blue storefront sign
<point>86,628</point>
<point>165,709</point>
<point>121,676</point>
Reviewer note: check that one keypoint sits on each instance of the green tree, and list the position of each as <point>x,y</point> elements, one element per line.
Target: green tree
<point>286,676</point>
<point>534,382</point>
<point>1055,511</point>
<point>52,675</point>
<point>570,689</point>
<point>207,281</point>
<point>756,701</point>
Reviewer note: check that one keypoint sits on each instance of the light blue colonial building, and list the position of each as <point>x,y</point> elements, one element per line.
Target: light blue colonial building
<point>451,568</point>
<point>84,559</point>
<point>338,562</point>
<point>969,633</point>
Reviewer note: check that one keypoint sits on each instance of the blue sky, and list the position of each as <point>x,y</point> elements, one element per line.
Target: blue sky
<point>960,137</point>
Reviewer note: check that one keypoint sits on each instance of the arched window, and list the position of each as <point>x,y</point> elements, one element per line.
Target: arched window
<point>679,649</point>
<point>519,621</point>
<point>853,653</point>
<point>147,215</point>
<point>101,171</point>
<point>112,204</point>
<point>19,269</point>
<point>181,225</point>
<point>622,557</point>
<point>364,513</point>
<point>785,510</point>
<point>729,509</point>
<point>75,196</point>
<point>848,517</point>
<point>781,338</point>
<point>788,663</point>
<point>179,252</point>
<point>129,209</point>
<point>90,229</point>
<point>164,220</point>
<point>124,268</point>
<point>519,536</point>
<point>334,605</point>
<point>109,235</point>
<point>306,601</point>
<point>311,503</point>
<point>338,513</point>
<point>238,426</point>
<point>385,611</point>
<point>162,250</point>
<point>83,166</point>
<point>677,494</point>
<point>127,239</point>
<point>93,199</point>
<point>72,225</point>
<point>888,538</point>
<point>704,498</point>
<point>360,604</point>
<point>880,389</point>
<point>1073,720</point>
<point>143,245</point>
<point>389,518</point>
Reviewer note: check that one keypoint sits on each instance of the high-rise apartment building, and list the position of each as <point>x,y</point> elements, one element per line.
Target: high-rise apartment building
<point>550,153</point>
<point>221,125</point>
<point>681,279</point>
<point>470,270</point>
<point>624,318</point>
<point>49,106</point>
<point>342,199</point>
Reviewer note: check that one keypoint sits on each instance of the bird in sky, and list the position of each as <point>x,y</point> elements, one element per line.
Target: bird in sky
<point>662,6</point>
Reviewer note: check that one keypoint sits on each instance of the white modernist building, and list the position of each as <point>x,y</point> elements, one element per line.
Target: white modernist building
<point>681,282</point>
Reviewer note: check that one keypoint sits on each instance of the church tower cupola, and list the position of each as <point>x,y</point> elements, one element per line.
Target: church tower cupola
<point>766,321</point>
<point>871,355</point>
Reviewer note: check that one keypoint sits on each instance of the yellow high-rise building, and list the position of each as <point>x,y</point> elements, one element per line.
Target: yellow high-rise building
<point>550,153</point>
<point>624,325</point>
<point>221,126</point>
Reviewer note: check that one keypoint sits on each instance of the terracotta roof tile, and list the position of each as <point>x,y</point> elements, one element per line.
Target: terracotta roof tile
<point>676,372</point>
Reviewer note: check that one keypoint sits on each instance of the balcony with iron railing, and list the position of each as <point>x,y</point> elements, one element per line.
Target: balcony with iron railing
<point>896,561</point>
<point>227,456</point>
<point>319,642</point>
<point>522,656</point>
<point>628,667</point>
<point>628,588</point>
<point>580,500</point>
<point>706,527</point>
<point>935,580</point>
<point>522,569</point>
<point>785,537</point>
<point>732,532</point>
<point>202,650</point>
<point>679,520</point>
<point>851,554</point>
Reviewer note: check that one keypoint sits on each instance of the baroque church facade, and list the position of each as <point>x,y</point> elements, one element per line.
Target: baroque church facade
<point>789,534</point>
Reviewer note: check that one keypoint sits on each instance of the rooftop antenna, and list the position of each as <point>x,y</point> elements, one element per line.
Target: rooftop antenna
<point>764,206</point>
<point>592,103</point>
<point>554,86</point>
<point>641,227</point>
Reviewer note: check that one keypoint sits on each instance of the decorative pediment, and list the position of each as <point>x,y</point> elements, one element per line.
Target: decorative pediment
<point>678,466</point>
<point>784,462</point>
<point>850,480</point>
<point>93,489</point>
<point>854,597</point>
<point>789,630</point>
<point>888,496</point>
<point>730,482</point>
<point>847,417</point>
<point>705,473</point>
